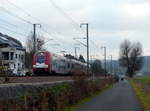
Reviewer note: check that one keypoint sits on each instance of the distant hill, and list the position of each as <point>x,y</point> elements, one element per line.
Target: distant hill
<point>145,70</point>
<point>146,67</point>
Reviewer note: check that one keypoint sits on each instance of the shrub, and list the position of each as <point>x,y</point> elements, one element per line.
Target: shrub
<point>56,97</point>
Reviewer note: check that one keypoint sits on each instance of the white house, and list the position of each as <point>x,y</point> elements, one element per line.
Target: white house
<point>12,54</point>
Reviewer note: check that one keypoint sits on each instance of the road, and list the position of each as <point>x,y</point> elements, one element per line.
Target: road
<point>119,98</point>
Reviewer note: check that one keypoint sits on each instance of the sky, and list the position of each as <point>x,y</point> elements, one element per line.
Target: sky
<point>110,22</point>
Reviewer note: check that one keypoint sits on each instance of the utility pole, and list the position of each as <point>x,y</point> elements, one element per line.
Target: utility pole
<point>76,51</point>
<point>92,59</point>
<point>104,58</point>
<point>111,64</point>
<point>87,37</point>
<point>34,36</point>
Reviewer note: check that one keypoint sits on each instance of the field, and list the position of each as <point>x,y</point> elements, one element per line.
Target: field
<point>143,80</point>
<point>141,86</point>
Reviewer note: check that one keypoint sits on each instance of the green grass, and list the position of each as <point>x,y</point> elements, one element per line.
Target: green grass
<point>143,80</point>
<point>73,107</point>
<point>144,100</point>
<point>56,89</point>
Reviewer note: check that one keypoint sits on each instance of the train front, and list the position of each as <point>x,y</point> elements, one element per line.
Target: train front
<point>41,63</point>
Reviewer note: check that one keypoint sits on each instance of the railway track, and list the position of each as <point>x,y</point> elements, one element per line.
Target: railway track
<point>33,79</point>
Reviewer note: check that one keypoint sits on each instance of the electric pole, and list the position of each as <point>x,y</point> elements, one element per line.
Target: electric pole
<point>76,51</point>
<point>111,64</point>
<point>87,37</point>
<point>34,36</point>
<point>104,58</point>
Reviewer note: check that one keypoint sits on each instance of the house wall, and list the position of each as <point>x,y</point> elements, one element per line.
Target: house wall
<point>16,60</point>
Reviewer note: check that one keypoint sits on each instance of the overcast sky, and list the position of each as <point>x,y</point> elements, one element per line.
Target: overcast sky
<point>110,22</point>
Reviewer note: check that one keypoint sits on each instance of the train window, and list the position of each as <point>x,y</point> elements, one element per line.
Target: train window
<point>72,66</point>
<point>68,65</point>
<point>40,58</point>
<point>62,61</point>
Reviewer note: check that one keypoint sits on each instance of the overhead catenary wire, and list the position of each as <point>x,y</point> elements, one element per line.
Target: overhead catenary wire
<point>28,14</point>
<point>20,18</point>
<point>75,24</point>
<point>25,12</point>
<point>7,29</point>
<point>14,15</point>
<point>35,17</point>
<point>68,17</point>
<point>8,23</point>
<point>50,34</point>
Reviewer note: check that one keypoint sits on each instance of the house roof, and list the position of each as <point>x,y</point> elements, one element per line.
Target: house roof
<point>7,41</point>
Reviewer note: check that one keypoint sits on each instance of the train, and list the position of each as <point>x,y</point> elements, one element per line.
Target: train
<point>45,62</point>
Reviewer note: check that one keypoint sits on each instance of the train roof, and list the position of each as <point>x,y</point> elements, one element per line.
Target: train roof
<point>7,41</point>
<point>62,57</point>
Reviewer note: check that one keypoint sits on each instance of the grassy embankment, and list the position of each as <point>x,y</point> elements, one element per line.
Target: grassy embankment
<point>87,99</point>
<point>141,86</point>
<point>57,97</point>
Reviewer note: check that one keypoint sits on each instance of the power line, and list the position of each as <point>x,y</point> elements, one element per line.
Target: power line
<point>33,18</point>
<point>95,44</point>
<point>28,14</point>
<point>22,19</point>
<point>68,17</point>
<point>53,3</point>
<point>53,36</point>
<point>40,20</point>
<point>14,15</point>
<point>7,29</point>
<point>8,23</point>
<point>75,24</point>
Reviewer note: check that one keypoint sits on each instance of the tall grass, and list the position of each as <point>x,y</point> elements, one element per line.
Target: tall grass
<point>142,90</point>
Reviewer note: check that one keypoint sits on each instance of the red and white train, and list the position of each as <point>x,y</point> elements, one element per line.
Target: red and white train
<point>47,62</point>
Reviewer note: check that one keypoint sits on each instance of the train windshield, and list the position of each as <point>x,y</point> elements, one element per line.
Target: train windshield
<point>40,58</point>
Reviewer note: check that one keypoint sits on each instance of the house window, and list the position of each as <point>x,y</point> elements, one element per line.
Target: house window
<point>19,56</point>
<point>5,55</point>
<point>22,57</point>
<point>11,56</point>
<point>16,56</point>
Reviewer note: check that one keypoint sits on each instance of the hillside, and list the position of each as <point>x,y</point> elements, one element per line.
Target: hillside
<point>145,70</point>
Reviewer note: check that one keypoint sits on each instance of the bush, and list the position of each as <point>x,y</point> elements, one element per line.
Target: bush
<point>28,74</point>
<point>57,97</point>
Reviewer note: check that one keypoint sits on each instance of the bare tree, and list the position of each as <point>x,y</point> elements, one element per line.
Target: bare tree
<point>30,48</point>
<point>40,43</point>
<point>81,58</point>
<point>131,57</point>
<point>96,67</point>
